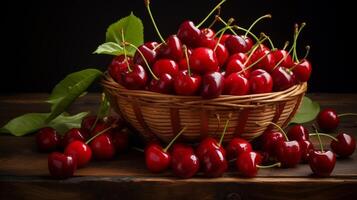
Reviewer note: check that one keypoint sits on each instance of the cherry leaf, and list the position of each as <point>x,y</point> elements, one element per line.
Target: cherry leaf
<point>307,112</point>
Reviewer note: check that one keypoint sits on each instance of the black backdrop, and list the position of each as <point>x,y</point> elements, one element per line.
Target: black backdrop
<point>44,41</point>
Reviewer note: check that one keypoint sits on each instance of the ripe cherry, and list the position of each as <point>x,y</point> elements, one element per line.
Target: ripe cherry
<point>61,166</point>
<point>222,54</point>
<point>247,163</point>
<point>47,139</point>
<point>165,66</point>
<point>187,84</point>
<point>267,62</point>
<point>185,163</point>
<point>120,139</point>
<point>148,52</point>
<point>118,65</point>
<point>73,135</point>
<point>283,55</point>
<point>302,70</point>
<point>270,140</point>
<point>88,123</point>
<point>236,84</point>
<point>298,132</point>
<point>189,34</point>
<point>236,44</point>
<point>344,146</point>
<point>164,85</point>
<point>172,49</point>
<point>240,56</point>
<point>136,79</point>
<point>102,147</point>
<point>260,81</point>
<point>283,78</point>
<point>80,151</point>
<point>203,60</point>
<point>306,147</point>
<point>212,85</point>
<point>236,147</point>
<point>236,65</point>
<point>328,119</point>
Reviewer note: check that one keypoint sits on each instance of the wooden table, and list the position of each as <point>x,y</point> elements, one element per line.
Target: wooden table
<point>24,174</point>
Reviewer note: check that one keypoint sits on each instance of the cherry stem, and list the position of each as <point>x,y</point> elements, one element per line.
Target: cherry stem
<point>296,35</point>
<point>278,164</point>
<point>215,19</point>
<point>251,65</point>
<point>225,129</point>
<point>187,59</point>
<point>125,56</point>
<point>243,29</point>
<point>270,42</point>
<point>286,44</point>
<point>143,57</point>
<point>97,117</point>
<point>254,49</point>
<point>306,54</point>
<point>230,21</point>
<point>147,4</point>
<point>99,133</point>
<point>324,134</point>
<point>347,114</point>
<point>319,138</point>
<point>280,61</point>
<point>175,138</point>
<point>256,21</point>
<point>236,27</point>
<point>280,129</point>
<point>212,11</point>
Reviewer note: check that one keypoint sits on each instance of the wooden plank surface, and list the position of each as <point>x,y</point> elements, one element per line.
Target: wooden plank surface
<point>24,174</point>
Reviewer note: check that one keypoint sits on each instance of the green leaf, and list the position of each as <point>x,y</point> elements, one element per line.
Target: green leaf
<point>307,112</point>
<point>31,122</point>
<point>69,89</point>
<point>133,31</point>
<point>111,48</point>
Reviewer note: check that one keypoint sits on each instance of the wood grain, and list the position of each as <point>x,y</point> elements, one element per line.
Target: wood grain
<point>24,175</point>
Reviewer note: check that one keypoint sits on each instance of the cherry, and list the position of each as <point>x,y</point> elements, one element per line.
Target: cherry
<point>328,119</point>
<point>99,127</point>
<point>302,70</point>
<point>283,55</point>
<point>80,151</point>
<point>344,146</point>
<point>135,79</point>
<point>236,84</point>
<point>236,65</point>
<point>148,52</point>
<point>247,163</point>
<point>187,84</point>
<point>306,148</point>
<point>165,66</point>
<point>222,54</point>
<point>208,33</point>
<point>185,163</point>
<point>260,81</point>
<point>298,132</point>
<point>158,159</point>
<point>172,49</point>
<point>102,147</point>
<point>270,140</point>
<point>47,139</point>
<point>88,123</point>
<point>73,135</point>
<point>164,85</point>
<point>236,147</point>
<point>248,41</point>
<point>189,34</point>
<point>224,38</point>
<point>205,145</point>
<point>240,56</point>
<point>120,139</point>
<point>236,44</point>
<point>283,78</point>
<point>151,45</point>
<point>213,84</point>
<point>61,166</point>
<point>118,65</point>
<point>203,60</point>
<point>267,61</point>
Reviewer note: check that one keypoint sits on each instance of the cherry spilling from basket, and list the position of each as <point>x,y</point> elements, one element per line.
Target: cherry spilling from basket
<point>207,62</point>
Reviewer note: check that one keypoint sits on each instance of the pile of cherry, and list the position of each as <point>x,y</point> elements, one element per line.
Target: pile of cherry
<point>200,61</point>
<point>103,138</point>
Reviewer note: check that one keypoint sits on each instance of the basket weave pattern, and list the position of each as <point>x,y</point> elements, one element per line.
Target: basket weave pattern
<point>162,116</point>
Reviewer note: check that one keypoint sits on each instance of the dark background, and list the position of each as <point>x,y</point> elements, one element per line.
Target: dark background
<point>44,41</point>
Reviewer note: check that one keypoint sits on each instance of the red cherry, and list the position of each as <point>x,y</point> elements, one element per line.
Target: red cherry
<point>203,60</point>
<point>288,153</point>
<point>102,147</point>
<point>157,160</point>
<point>322,163</point>
<point>120,139</point>
<point>267,63</point>
<point>214,163</point>
<point>280,54</point>
<point>189,34</point>
<point>73,135</point>
<point>88,122</point>
<point>208,32</point>
<point>148,52</point>
<point>303,70</point>
<point>260,81</point>
<point>172,49</point>
<point>236,84</point>
<point>164,85</point>
<point>247,163</point>
<point>185,163</point>
<point>80,151</point>
<point>224,38</point>
<point>213,84</point>
<point>248,41</point>
<point>236,147</point>
<point>185,84</point>
<point>165,66</point>
<point>205,145</point>
<point>306,147</point>
<point>283,78</point>
<point>135,79</point>
<point>222,54</point>
<point>47,139</point>
<point>298,132</point>
<point>345,146</point>
<point>328,120</point>
<point>270,140</point>
<point>240,56</point>
<point>236,44</point>
<point>235,65</point>
<point>99,127</point>
<point>61,166</point>
<point>118,65</point>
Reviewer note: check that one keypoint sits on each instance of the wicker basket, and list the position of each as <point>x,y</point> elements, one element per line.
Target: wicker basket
<point>162,116</point>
